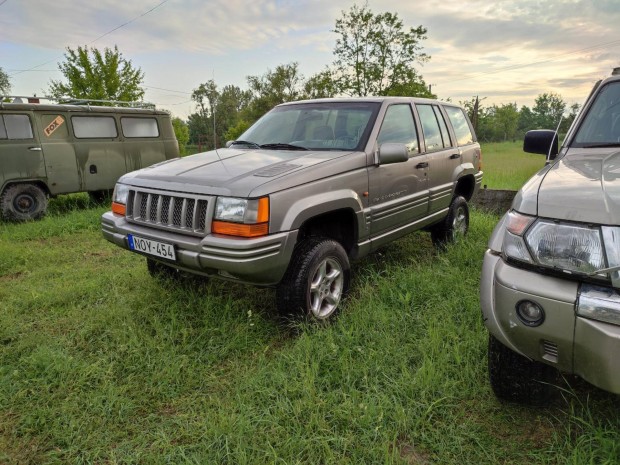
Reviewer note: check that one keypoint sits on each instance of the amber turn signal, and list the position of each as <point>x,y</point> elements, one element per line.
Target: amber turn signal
<point>240,230</point>
<point>118,208</point>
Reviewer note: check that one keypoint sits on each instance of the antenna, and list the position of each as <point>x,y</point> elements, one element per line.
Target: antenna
<point>557,136</point>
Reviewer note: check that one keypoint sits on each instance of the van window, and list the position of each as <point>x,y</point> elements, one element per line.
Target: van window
<point>458,119</point>
<point>89,127</point>
<point>139,127</point>
<point>15,127</point>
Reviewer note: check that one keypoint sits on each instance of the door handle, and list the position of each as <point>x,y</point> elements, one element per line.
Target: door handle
<point>422,165</point>
<point>34,149</point>
<point>454,156</point>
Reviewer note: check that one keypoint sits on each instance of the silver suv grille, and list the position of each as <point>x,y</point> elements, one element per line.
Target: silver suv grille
<point>181,213</point>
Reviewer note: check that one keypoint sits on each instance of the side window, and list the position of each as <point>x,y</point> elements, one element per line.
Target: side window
<point>398,126</point>
<point>139,127</point>
<point>461,127</point>
<point>16,127</point>
<point>90,127</point>
<point>54,127</point>
<point>2,128</point>
<point>430,127</point>
<point>445,134</point>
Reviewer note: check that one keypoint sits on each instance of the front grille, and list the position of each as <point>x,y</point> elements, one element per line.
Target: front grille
<point>179,213</point>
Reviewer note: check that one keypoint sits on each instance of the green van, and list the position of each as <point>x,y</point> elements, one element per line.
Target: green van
<point>50,149</point>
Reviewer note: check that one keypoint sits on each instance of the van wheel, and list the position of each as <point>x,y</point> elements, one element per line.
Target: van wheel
<point>23,202</point>
<point>454,226</point>
<point>99,197</point>
<point>516,378</point>
<point>316,280</point>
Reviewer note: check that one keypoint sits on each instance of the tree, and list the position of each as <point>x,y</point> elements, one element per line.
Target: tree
<point>321,85</point>
<point>181,132</point>
<point>376,56</point>
<point>92,74</point>
<point>548,109</point>
<point>284,84</point>
<point>5,82</point>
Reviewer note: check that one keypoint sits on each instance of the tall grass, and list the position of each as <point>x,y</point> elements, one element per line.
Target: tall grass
<point>507,166</point>
<point>100,363</point>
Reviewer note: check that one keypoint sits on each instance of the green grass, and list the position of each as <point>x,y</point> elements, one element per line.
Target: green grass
<point>100,363</point>
<point>507,166</point>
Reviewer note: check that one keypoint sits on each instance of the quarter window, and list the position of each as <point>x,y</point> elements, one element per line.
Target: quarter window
<point>398,126</point>
<point>92,127</point>
<point>15,127</point>
<point>139,127</point>
<point>464,135</point>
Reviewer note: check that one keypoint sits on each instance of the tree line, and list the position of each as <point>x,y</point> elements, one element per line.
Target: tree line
<point>374,54</point>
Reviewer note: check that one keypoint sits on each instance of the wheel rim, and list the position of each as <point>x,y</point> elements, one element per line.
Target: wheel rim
<point>326,288</point>
<point>24,203</point>
<point>459,224</point>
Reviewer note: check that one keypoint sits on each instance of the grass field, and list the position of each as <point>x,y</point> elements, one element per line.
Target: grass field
<point>100,363</point>
<point>506,166</point>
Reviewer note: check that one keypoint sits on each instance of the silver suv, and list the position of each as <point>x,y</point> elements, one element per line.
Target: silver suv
<point>310,186</point>
<point>550,279</point>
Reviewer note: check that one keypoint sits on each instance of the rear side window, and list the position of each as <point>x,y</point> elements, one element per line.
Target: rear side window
<point>15,127</point>
<point>461,127</point>
<point>431,129</point>
<point>139,127</point>
<point>92,127</point>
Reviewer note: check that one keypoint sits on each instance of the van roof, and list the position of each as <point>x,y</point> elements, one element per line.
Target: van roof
<point>78,108</point>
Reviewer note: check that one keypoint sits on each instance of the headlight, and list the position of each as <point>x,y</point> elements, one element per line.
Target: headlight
<point>119,198</point>
<point>241,217</point>
<point>563,246</point>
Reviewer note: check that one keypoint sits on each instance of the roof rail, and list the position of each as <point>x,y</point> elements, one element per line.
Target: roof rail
<point>67,100</point>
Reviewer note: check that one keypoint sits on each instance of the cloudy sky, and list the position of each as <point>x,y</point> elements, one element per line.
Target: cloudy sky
<point>505,51</point>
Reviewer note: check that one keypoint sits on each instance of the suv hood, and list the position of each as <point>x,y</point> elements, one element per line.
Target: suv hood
<point>582,186</point>
<point>227,171</point>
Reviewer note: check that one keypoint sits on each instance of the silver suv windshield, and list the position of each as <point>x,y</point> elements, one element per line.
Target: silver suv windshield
<point>314,126</point>
<point>601,126</point>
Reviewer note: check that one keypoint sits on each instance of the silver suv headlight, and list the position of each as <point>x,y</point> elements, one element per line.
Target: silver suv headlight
<point>241,217</point>
<point>569,247</point>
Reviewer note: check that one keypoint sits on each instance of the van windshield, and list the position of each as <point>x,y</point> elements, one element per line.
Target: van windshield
<point>601,126</point>
<point>314,126</point>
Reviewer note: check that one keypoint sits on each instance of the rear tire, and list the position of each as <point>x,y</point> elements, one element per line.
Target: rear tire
<point>23,202</point>
<point>515,378</point>
<point>316,281</point>
<point>455,225</point>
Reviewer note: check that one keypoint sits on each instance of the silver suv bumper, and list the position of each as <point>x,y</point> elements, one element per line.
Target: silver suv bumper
<point>261,261</point>
<point>571,338</point>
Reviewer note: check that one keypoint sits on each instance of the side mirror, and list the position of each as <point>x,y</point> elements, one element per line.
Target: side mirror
<point>543,141</point>
<point>392,152</point>
<point>229,143</point>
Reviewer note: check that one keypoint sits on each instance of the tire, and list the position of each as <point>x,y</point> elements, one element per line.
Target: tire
<point>515,378</point>
<point>316,281</point>
<point>23,202</point>
<point>454,226</point>
<point>100,197</point>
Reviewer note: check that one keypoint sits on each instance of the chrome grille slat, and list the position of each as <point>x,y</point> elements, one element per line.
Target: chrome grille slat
<point>184,214</point>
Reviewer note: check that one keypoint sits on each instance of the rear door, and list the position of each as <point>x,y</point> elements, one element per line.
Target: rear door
<point>398,192</point>
<point>143,143</point>
<point>21,157</point>
<point>442,155</point>
<point>57,145</point>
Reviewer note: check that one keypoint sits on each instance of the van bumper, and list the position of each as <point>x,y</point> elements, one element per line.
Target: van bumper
<point>260,261</point>
<point>570,338</point>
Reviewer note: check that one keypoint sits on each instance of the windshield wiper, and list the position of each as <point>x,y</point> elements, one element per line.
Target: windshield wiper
<point>244,142</point>
<point>602,145</point>
<point>283,146</point>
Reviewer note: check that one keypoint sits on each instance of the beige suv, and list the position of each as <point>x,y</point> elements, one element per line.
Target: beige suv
<point>550,281</point>
<point>309,187</point>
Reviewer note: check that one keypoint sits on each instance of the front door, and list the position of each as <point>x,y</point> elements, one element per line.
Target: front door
<point>21,157</point>
<point>398,192</point>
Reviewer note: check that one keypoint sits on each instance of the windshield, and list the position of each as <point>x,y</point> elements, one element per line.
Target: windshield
<point>315,126</point>
<point>601,126</point>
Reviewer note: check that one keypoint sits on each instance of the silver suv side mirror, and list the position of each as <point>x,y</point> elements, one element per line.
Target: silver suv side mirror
<point>392,152</point>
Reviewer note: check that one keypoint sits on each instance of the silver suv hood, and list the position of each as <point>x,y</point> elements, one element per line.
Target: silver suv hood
<point>582,186</point>
<point>227,171</point>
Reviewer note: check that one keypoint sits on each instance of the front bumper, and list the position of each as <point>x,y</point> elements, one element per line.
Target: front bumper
<point>566,339</point>
<point>261,261</point>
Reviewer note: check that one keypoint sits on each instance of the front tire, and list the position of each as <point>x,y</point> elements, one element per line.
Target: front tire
<point>454,226</point>
<point>515,378</point>
<point>23,202</point>
<point>316,280</point>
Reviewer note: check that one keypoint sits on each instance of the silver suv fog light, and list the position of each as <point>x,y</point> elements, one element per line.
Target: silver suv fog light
<point>530,313</point>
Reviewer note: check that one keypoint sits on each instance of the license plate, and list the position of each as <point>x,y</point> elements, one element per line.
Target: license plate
<point>150,247</point>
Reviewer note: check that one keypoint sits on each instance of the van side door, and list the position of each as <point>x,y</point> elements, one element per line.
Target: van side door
<point>21,157</point>
<point>398,192</point>
<point>143,142</point>
<point>443,156</point>
<point>57,145</point>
